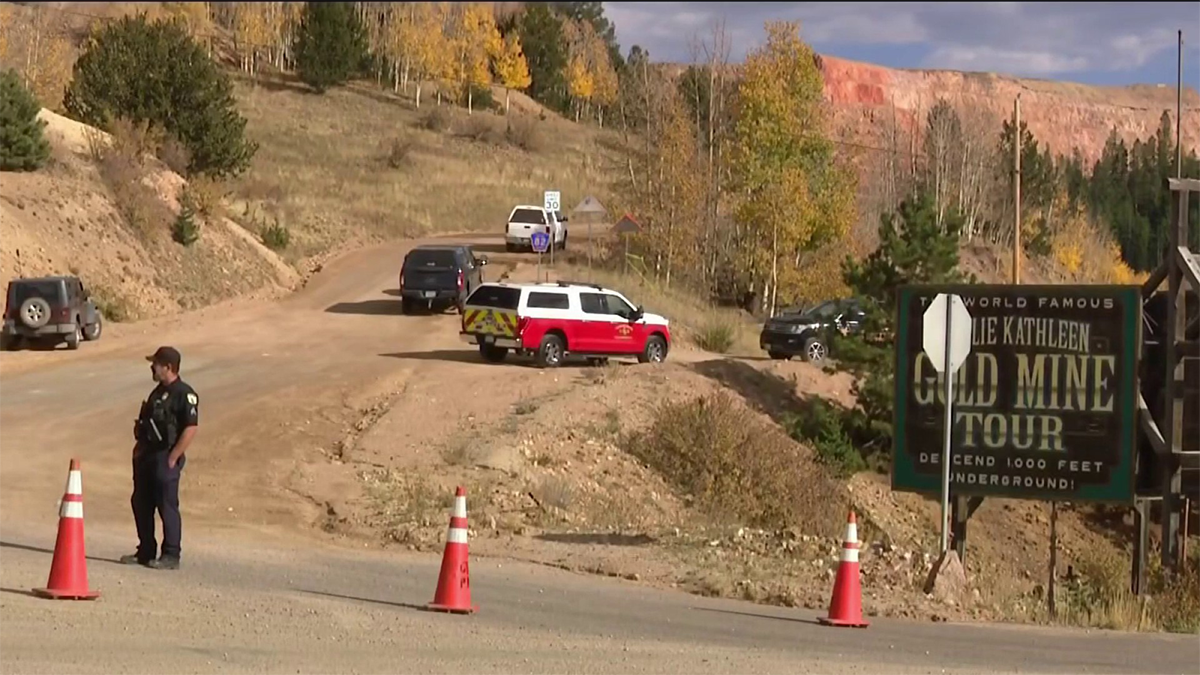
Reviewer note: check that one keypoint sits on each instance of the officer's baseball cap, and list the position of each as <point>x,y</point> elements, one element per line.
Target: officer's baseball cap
<point>165,356</point>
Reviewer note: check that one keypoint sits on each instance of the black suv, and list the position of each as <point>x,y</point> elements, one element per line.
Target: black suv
<point>805,332</point>
<point>439,274</point>
<point>55,309</point>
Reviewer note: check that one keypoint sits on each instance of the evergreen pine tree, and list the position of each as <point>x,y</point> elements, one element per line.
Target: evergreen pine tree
<point>330,45</point>
<point>185,230</point>
<point>913,249</point>
<point>22,145</point>
<point>156,73</point>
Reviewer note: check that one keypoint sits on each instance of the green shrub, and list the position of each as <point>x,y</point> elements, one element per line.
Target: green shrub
<point>733,468</point>
<point>156,73</point>
<point>820,426</point>
<point>716,335</point>
<point>435,119</point>
<point>523,132</point>
<point>276,237</point>
<point>23,147</point>
<point>185,230</point>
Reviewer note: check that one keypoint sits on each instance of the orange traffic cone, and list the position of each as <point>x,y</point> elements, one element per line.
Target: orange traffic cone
<point>453,592</point>
<point>68,570</point>
<point>845,608</point>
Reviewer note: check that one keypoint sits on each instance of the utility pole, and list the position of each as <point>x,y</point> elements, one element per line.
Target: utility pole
<point>1017,190</point>
<point>1179,112</point>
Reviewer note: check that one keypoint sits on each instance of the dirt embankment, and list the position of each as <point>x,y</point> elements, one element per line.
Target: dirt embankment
<point>66,218</point>
<point>1066,116</point>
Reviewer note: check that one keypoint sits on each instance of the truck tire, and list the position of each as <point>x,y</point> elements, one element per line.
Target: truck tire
<point>654,351</point>
<point>74,337</point>
<point>815,350</point>
<point>91,332</point>
<point>492,353</point>
<point>35,312</point>
<point>551,352</point>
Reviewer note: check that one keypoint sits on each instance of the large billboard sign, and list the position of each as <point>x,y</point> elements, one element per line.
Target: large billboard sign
<point>1044,406</point>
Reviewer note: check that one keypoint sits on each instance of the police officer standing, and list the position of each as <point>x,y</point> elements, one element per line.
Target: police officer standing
<point>164,429</point>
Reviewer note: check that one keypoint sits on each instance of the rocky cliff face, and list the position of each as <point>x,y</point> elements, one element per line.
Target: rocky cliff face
<point>867,98</point>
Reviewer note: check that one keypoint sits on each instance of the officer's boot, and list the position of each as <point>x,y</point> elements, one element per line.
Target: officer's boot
<point>166,562</point>
<point>135,559</point>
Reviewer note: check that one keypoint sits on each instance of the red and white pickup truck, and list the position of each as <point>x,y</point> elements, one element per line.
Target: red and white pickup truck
<point>554,320</point>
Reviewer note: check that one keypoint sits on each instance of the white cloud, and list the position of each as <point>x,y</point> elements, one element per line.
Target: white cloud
<point>1021,38</point>
<point>1003,60</point>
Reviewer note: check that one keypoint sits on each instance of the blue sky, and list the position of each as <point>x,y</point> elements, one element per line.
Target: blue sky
<point>1114,43</point>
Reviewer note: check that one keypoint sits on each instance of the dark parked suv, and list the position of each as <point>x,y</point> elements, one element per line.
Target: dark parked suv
<point>805,332</point>
<point>52,309</point>
<point>439,274</point>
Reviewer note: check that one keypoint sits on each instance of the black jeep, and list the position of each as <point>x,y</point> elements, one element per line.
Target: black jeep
<point>804,332</point>
<point>50,309</point>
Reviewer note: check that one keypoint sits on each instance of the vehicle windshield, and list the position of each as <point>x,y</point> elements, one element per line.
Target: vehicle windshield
<point>528,217</point>
<point>499,297</point>
<point>825,310</point>
<point>431,260</point>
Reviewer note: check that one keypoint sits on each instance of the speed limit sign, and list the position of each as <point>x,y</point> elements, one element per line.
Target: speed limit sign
<point>550,200</point>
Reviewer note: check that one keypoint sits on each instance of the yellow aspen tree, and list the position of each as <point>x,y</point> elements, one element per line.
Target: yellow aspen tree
<point>444,58</point>
<point>793,195</point>
<point>292,12</point>
<point>249,34</point>
<point>512,68</point>
<point>47,54</point>
<point>197,20</point>
<point>604,76</point>
<point>376,17</point>
<point>428,41</point>
<point>579,83</point>
<point>475,41</point>
<point>680,198</point>
<point>6,22</point>
<point>274,25</point>
<point>397,43</point>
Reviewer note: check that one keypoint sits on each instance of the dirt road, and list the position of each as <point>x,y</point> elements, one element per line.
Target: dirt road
<point>263,590</point>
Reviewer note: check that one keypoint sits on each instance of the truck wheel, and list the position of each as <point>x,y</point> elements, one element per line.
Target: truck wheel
<point>511,248</point>
<point>814,350</point>
<point>74,337</point>
<point>35,312</point>
<point>492,353</point>
<point>655,350</point>
<point>778,356</point>
<point>551,351</point>
<point>91,332</point>
<point>406,306</point>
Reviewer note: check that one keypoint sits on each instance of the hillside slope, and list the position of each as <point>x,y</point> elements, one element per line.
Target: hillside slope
<point>66,219</point>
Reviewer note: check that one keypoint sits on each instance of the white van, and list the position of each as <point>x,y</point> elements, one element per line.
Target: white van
<point>525,220</point>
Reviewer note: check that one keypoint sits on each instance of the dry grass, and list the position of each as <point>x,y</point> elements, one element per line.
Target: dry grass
<point>318,166</point>
<point>1100,597</point>
<point>556,492</point>
<point>735,467</point>
<point>464,451</point>
<point>121,158</point>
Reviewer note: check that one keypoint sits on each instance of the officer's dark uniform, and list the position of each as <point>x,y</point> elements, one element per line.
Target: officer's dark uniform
<point>164,415</point>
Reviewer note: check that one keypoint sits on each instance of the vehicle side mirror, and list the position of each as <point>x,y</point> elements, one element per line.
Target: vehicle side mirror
<point>481,260</point>
<point>637,314</point>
